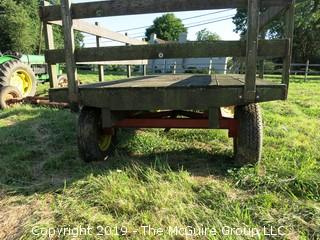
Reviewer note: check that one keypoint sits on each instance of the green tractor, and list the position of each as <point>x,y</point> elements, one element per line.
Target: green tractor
<point>19,76</point>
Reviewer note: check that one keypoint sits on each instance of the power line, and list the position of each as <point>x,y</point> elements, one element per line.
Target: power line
<point>206,14</point>
<point>207,21</point>
<point>220,20</point>
<point>192,26</point>
<point>197,16</point>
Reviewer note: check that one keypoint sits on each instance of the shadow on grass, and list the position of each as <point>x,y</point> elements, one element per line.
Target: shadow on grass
<point>39,154</point>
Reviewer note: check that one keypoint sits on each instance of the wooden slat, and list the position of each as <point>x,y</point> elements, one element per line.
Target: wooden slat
<point>101,32</point>
<point>130,7</point>
<point>267,48</point>
<point>100,67</point>
<point>142,98</point>
<point>49,43</point>
<point>289,31</point>
<point>252,51</point>
<point>69,53</point>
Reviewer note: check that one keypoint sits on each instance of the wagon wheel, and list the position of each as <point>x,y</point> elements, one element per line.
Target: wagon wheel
<point>17,74</point>
<point>94,143</point>
<point>7,96</point>
<point>248,144</point>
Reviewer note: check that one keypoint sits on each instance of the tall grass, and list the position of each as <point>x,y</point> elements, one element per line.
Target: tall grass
<point>181,178</point>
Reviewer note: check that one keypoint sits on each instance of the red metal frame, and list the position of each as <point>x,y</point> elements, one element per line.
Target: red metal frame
<point>169,120</point>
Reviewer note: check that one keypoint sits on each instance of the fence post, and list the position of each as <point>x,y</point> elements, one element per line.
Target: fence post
<point>100,67</point>
<point>261,69</point>
<point>210,67</point>
<point>307,70</point>
<point>175,68</point>
<point>144,70</point>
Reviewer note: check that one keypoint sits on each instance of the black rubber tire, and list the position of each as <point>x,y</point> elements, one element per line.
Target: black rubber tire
<point>4,92</point>
<point>8,68</point>
<point>89,133</point>
<point>248,144</point>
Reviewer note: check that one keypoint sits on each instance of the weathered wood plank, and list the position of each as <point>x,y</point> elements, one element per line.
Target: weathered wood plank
<point>131,7</point>
<point>49,44</point>
<point>101,32</point>
<point>69,53</point>
<point>100,67</point>
<point>289,30</point>
<point>271,48</point>
<point>168,98</point>
<point>252,51</point>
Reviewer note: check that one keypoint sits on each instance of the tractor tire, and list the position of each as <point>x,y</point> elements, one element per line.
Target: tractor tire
<point>63,81</point>
<point>248,144</point>
<point>17,74</point>
<point>8,93</point>
<point>94,144</point>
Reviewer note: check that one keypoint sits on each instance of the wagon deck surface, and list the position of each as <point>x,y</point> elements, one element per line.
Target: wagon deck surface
<point>171,92</point>
<point>168,101</point>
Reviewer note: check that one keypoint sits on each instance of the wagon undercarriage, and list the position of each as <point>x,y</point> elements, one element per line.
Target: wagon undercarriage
<point>169,101</point>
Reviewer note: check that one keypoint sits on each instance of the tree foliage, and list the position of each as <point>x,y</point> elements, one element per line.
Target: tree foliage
<point>167,27</point>
<point>206,35</point>
<point>20,27</point>
<point>17,29</point>
<point>306,33</point>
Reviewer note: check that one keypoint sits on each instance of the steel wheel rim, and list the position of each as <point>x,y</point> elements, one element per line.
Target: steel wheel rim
<point>23,81</point>
<point>105,142</point>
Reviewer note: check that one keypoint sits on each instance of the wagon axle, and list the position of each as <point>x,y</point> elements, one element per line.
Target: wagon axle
<point>183,119</point>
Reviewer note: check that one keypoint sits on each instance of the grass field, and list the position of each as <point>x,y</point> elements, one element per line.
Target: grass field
<point>181,178</point>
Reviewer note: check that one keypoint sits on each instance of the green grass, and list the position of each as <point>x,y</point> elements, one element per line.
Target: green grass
<point>181,178</point>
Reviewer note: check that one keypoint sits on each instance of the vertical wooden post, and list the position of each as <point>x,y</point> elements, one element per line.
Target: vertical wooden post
<point>144,70</point>
<point>49,44</point>
<point>128,66</point>
<point>288,33</point>
<point>307,71</point>
<point>175,68</point>
<point>252,49</point>
<point>100,67</point>
<point>69,48</point>
<point>261,69</point>
<point>153,66</point>
<point>210,67</point>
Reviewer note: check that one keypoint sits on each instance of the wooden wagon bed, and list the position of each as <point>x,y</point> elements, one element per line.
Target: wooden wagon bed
<point>171,92</point>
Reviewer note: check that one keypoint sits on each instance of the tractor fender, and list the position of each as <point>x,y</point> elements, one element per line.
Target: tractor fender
<point>7,58</point>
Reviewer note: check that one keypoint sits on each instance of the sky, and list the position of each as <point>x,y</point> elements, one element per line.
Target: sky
<point>223,28</point>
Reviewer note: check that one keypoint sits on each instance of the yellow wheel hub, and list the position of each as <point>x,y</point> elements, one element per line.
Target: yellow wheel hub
<point>227,112</point>
<point>22,80</point>
<point>105,142</point>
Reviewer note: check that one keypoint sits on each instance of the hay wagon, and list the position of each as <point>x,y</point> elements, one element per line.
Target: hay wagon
<point>170,101</point>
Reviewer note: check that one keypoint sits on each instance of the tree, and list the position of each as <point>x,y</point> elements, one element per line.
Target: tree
<point>16,28</point>
<point>167,27</point>
<point>20,27</point>
<point>306,33</point>
<point>206,35</point>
